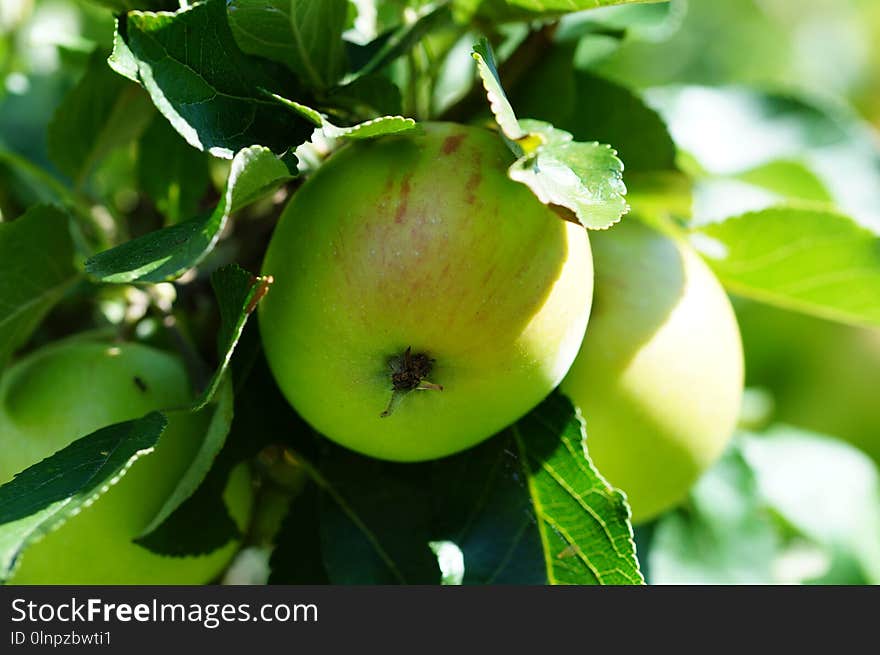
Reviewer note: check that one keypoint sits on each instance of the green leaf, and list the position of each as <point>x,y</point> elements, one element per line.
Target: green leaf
<point>255,174</point>
<point>45,495</point>
<point>583,522</point>
<point>801,258</point>
<point>304,35</point>
<point>204,85</point>
<point>396,42</point>
<point>585,178</point>
<point>257,403</point>
<point>592,108</point>
<point>215,436</point>
<point>382,126</point>
<point>185,532</point>
<point>169,252</point>
<point>788,179</point>
<point>264,29</point>
<point>102,112</point>
<point>317,27</point>
<point>762,187</point>
<point>159,256</point>
<point>526,506</point>
<point>36,268</point>
<point>825,489</point>
<point>238,293</point>
<point>370,129</point>
<point>375,520</point>
<point>595,109</point>
<point>370,95</point>
<point>505,11</point>
<point>171,172</point>
<point>724,535</point>
<point>122,59</point>
<point>498,102</point>
<point>485,511</point>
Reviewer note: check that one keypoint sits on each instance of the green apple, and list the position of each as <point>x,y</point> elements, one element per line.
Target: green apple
<point>823,376</point>
<point>422,300</point>
<point>659,377</point>
<point>70,389</point>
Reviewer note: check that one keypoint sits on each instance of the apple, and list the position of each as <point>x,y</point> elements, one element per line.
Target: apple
<point>72,388</point>
<point>823,376</point>
<point>422,300</point>
<point>659,377</point>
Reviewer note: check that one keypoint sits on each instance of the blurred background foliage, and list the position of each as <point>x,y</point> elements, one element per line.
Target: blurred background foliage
<point>829,48</point>
<point>797,497</point>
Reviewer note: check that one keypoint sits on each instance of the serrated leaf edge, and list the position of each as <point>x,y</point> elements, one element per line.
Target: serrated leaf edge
<point>55,522</point>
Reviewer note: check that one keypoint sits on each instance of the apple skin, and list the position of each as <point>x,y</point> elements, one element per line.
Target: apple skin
<point>423,242</point>
<point>70,389</point>
<point>659,377</point>
<point>823,375</point>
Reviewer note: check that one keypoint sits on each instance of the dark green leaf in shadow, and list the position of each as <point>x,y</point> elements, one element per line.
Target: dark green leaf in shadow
<point>484,508</point>
<point>261,417</point>
<point>36,268</point>
<point>218,426</point>
<point>203,84</point>
<point>238,293</point>
<point>200,491</point>
<point>526,506</point>
<point>375,520</point>
<point>304,35</point>
<point>102,112</point>
<point>371,95</point>
<point>297,557</point>
<point>171,172</point>
<point>201,523</point>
